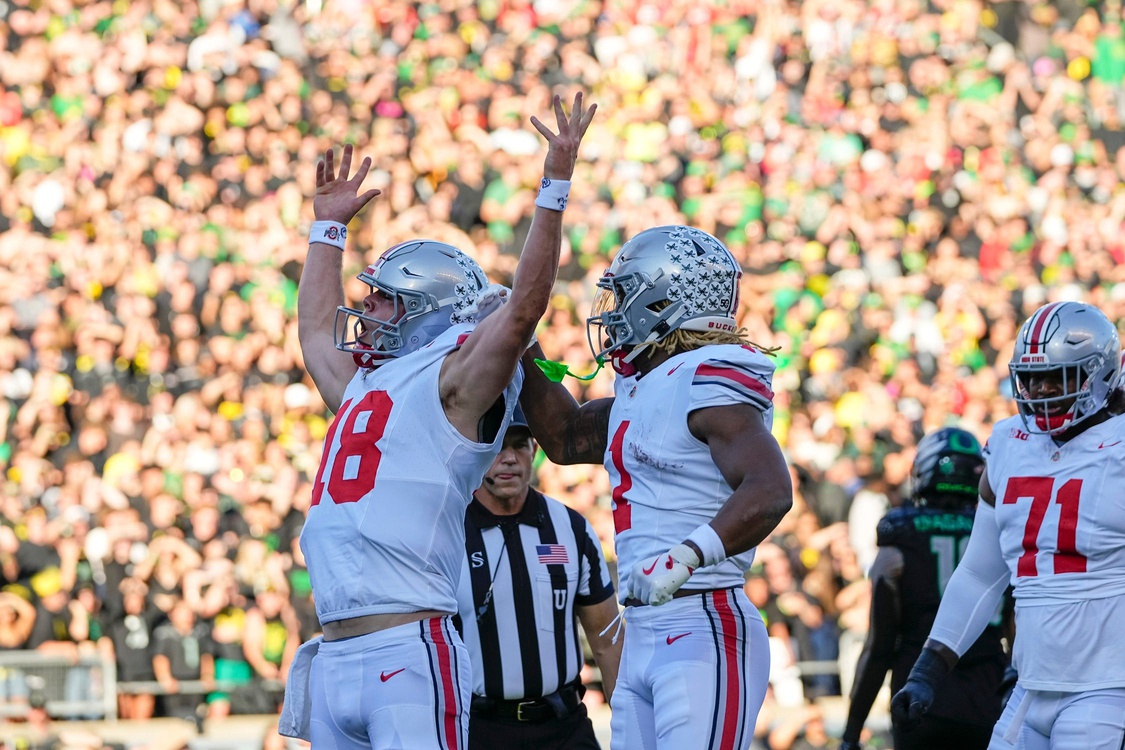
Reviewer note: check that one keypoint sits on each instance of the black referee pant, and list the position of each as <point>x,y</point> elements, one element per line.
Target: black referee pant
<point>573,732</point>
<point>937,733</point>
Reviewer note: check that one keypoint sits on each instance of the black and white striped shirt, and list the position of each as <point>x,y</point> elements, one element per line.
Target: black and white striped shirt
<point>539,564</point>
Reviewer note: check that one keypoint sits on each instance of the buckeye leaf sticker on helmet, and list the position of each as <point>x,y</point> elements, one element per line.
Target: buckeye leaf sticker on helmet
<point>663,279</point>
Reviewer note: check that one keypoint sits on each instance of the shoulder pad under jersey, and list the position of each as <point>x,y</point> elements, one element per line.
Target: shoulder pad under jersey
<point>895,525</point>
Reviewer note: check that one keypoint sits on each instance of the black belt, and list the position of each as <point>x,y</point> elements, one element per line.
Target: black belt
<point>559,704</point>
<point>631,602</point>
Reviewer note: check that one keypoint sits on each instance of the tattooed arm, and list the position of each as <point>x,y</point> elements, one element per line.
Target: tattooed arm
<point>567,432</point>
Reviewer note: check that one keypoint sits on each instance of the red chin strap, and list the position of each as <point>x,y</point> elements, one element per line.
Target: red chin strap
<point>1055,423</point>
<point>619,365</point>
<point>367,358</point>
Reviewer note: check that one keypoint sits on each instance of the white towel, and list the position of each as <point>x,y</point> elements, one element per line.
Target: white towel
<point>296,709</point>
<point>1013,732</point>
<point>619,621</point>
<point>489,300</point>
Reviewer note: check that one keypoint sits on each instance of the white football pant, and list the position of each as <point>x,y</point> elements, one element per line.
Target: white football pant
<point>1043,720</point>
<point>404,688</point>
<point>693,674</point>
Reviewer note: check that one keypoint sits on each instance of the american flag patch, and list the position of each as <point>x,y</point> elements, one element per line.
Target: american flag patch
<point>551,554</point>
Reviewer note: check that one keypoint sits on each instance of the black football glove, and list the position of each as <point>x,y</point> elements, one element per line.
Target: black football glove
<point>917,695</point>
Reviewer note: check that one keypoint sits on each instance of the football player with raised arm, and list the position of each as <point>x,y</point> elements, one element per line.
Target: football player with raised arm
<point>1052,521</point>
<point>698,481</point>
<point>919,545</point>
<point>422,402</point>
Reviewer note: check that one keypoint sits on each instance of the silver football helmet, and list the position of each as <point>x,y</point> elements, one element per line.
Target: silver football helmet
<point>431,284</point>
<point>663,279</point>
<point>1075,345</point>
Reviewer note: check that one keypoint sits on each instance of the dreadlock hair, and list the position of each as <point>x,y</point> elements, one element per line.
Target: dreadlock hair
<point>681,340</point>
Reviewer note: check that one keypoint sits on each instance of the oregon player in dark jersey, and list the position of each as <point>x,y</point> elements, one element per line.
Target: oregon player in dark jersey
<point>920,544</point>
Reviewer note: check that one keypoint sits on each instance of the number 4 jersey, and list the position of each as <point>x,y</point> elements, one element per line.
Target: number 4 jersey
<point>1060,511</point>
<point>665,483</point>
<point>385,533</point>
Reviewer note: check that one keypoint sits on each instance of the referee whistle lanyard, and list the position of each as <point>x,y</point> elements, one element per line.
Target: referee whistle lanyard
<point>483,608</point>
<point>556,371</point>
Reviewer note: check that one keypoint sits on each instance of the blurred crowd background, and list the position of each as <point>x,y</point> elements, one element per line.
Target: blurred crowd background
<point>903,181</point>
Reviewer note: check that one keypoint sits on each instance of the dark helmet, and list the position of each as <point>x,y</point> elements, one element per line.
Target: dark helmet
<point>947,470</point>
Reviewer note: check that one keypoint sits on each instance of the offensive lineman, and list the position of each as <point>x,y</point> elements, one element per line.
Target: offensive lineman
<point>698,481</point>
<point>919,544</point>
<point>1052,519</point>
<point>422,402</point>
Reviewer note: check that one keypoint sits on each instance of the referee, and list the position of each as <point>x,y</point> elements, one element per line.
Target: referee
<point>532,566</point>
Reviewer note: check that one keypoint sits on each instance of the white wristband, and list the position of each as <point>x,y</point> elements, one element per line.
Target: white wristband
<point>553,194</point>
<point>330,233</point>
<point>709,543</point>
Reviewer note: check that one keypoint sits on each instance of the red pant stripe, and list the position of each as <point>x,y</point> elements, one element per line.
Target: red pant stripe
<point>448,685</point>
<point>732,703</point>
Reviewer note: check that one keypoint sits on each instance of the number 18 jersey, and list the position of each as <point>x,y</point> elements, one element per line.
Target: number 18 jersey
<point>1060,510</point>
<point>385,533</point>
<point>665,483</point>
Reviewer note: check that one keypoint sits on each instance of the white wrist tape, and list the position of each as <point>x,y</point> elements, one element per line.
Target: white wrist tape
<point>709,543</point>
<point>686,556</point>
<point>553,194</point>
<point>330,233</point>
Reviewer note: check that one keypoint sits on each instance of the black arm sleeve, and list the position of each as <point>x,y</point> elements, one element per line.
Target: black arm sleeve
<point>879,649</point>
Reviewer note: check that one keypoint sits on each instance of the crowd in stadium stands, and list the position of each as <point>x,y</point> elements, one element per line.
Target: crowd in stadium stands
<point>903,181</point>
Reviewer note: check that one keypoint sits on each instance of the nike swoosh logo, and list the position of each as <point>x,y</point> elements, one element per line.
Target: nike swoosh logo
<point>671,639</point>
<point>648,571</point>
<point>384,676</point>
<point>675,368</point>
<point>1108,445</point>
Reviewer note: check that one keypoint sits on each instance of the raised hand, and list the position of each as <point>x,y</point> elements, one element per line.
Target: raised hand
<point>563,146</point>
<point>338,197</point>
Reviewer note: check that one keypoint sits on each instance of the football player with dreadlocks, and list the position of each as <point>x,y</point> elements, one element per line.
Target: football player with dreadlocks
<point>423,392</point>
<point>919,546</point>
<point>698,481</point>
<point>1052,522</point>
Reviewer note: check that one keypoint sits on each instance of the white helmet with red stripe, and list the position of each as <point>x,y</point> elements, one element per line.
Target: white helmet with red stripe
<point>1075,346</point>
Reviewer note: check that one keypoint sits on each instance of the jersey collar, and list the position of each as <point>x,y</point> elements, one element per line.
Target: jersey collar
<point>532,514</point>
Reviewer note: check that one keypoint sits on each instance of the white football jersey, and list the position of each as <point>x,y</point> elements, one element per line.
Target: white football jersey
<point>1061,517</point>
<point>665,483</point>
<point>385,533</point>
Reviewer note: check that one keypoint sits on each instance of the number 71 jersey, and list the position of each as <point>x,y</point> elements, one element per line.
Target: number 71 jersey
<point>1060,511</point>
